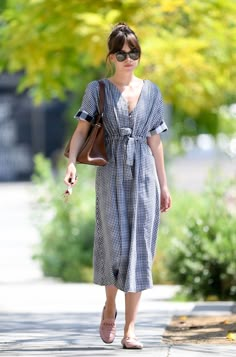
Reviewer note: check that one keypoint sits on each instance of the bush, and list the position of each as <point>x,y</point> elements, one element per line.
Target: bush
<point>171,226</point>
<point>66,229</point>
<point>202,256</point>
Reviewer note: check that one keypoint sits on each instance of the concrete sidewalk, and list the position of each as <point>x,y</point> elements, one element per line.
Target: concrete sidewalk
<point>49,318</point>
<point>44,317</point>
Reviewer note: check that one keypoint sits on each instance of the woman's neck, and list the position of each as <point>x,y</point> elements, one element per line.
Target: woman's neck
<point>123,79</point>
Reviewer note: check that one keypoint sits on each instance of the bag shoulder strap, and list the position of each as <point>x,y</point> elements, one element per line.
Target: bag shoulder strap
<point>101,97</point>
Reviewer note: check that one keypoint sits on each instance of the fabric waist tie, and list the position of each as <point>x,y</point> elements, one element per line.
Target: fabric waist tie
<point>130,148</point>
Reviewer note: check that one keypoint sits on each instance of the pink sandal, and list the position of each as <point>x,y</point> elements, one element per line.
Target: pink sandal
<point>131,343</point>
<point>107,328</point>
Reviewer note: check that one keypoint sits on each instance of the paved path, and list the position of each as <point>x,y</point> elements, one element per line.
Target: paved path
<point>44,317</point>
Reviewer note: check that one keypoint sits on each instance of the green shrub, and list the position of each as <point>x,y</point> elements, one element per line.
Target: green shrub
<point>66,228</point>
<point>202,256</point>
<point>171,226</point>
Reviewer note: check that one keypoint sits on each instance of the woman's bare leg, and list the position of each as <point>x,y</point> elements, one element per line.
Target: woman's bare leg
<point>110,310</point>
<point>131,308</point>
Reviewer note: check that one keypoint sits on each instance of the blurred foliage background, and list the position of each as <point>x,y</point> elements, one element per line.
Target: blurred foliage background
<point>189,50</point>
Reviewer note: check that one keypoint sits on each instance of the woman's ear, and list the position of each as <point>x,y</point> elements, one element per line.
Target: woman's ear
<point>112,57</point>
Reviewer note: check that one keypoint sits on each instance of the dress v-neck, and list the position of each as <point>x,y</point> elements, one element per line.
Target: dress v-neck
<point>125,100</point>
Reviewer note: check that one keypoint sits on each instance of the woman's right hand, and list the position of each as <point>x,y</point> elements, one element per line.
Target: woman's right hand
<point>70,178</point>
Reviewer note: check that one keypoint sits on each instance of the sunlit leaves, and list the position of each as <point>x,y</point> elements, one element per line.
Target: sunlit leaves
<point>188,46</point>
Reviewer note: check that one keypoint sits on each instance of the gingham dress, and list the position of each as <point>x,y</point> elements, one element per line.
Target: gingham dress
<point>127,188</point>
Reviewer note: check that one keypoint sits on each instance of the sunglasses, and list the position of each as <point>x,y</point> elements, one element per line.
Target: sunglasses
<point>122,55</point>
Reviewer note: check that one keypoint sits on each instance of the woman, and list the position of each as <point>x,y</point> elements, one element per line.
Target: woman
<point>131,189</point>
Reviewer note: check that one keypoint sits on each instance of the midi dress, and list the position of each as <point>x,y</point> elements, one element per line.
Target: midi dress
<point>127,187</point>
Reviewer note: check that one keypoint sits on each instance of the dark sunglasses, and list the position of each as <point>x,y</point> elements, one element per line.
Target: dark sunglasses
<point>122,55</point>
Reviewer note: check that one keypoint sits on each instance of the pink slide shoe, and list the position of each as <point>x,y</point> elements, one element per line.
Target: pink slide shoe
<point>131,343</point>
<point>107,328</point>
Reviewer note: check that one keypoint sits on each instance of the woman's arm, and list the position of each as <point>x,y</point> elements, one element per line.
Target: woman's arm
<point>76,143</point>
<point>157,150</point>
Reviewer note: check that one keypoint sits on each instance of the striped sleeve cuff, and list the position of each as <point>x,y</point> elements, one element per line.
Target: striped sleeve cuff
<point>160,129</point>
<point>82,114</point>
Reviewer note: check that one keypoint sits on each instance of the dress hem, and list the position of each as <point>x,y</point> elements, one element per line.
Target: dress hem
<point>125,291</point>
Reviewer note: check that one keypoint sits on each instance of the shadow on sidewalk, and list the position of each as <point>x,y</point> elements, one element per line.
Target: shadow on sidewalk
<point>33,334</point>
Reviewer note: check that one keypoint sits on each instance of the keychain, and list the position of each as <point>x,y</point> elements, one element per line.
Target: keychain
<point>68,191</point>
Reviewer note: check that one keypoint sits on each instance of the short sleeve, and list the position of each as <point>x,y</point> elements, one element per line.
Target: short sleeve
<point>89,105</point>
<point>157,122</point>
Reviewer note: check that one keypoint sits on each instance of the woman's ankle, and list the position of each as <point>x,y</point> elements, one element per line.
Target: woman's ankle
<point>110,310</point>
<point>129,331</point>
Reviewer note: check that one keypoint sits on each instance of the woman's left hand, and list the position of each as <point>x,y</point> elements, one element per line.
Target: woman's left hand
<point>165,199</point>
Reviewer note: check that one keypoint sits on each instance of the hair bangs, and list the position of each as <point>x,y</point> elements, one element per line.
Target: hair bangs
<point>132,42</point>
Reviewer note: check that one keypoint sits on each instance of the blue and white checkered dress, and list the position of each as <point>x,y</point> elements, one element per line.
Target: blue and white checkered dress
<point>127,188</point>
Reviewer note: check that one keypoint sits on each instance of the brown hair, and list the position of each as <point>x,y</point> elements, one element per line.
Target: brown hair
<point>120,34</point>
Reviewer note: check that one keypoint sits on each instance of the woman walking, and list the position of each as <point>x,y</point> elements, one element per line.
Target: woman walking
<point>131,190</point>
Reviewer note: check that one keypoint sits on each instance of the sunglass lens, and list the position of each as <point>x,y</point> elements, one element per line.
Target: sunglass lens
<point>134,55</point>
<point>120,56</point>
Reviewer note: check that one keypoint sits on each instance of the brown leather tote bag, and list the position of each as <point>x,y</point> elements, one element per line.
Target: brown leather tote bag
<point>93,151</point>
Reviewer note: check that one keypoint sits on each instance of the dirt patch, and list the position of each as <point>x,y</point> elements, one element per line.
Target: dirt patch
<point>201,329</point>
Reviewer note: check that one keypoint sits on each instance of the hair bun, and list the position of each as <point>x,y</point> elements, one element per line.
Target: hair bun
<point>121,25</point>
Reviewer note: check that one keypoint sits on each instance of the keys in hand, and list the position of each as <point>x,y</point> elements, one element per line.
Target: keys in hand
<point>68,191</point>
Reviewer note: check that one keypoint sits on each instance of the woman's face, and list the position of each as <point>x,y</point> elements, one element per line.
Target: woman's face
<point>129,64</point>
